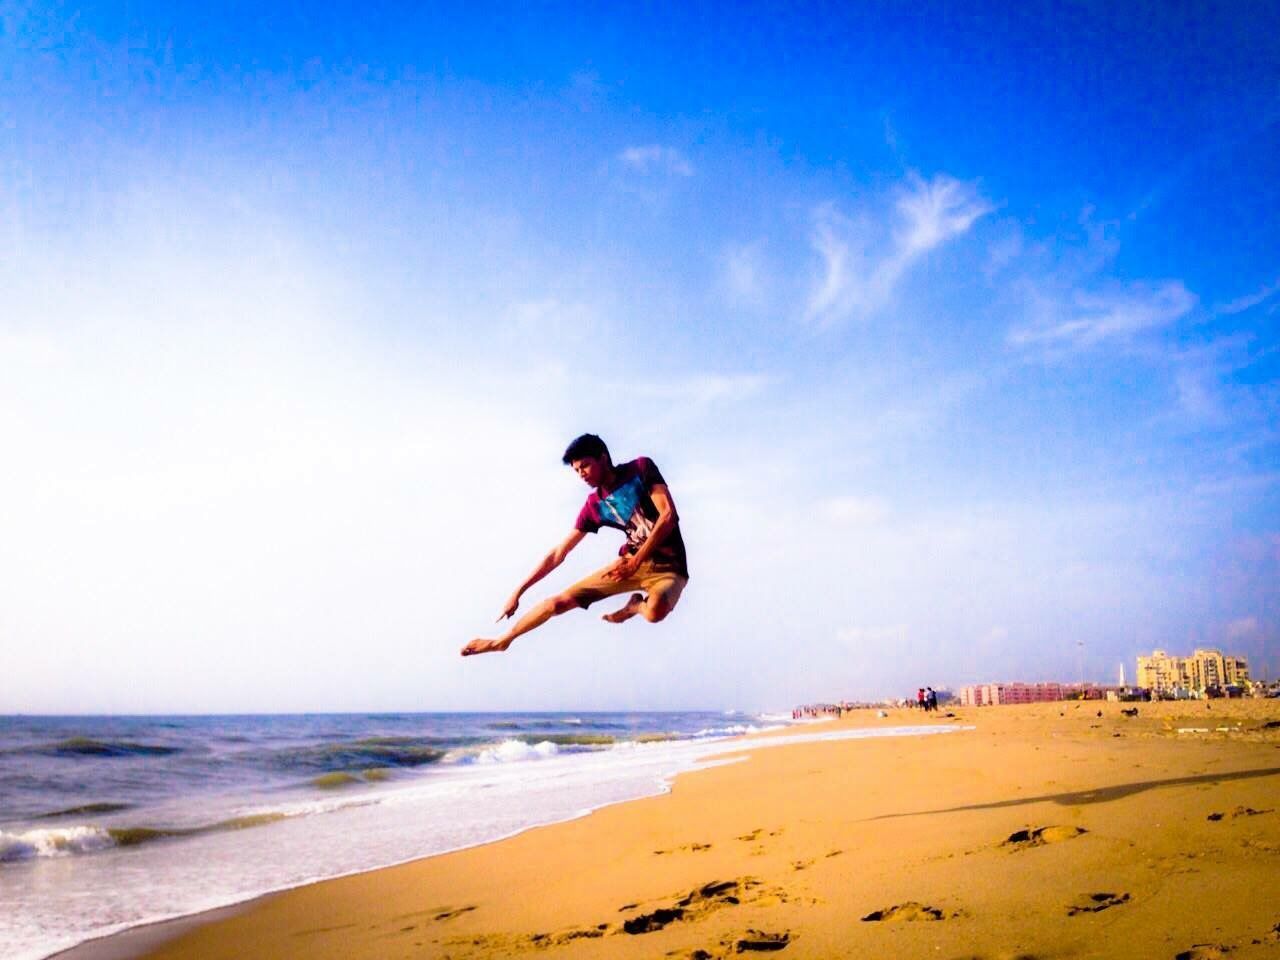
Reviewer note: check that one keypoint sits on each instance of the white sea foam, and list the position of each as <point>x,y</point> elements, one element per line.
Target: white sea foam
<point>52,842</point>
<point>515,751</point>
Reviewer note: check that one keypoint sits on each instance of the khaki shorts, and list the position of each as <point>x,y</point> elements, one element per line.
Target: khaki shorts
<point>666,584</point>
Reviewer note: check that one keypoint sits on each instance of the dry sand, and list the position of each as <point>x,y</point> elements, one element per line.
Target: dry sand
<point>1045,831</point>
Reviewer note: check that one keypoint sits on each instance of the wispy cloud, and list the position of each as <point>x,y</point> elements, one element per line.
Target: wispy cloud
<point>654,159</point>
<point>1249,301</point>
<point>853,281</point>
<point>705,388</point>
<point>745,276</point>
<point>1090,319</point>
<point>855,510</point>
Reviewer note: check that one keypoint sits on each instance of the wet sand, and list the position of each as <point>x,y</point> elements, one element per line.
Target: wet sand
<point>1046,831</point>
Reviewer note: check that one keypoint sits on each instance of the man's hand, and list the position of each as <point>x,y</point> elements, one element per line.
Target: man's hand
<point>509,610</point>
<point>622,569</point>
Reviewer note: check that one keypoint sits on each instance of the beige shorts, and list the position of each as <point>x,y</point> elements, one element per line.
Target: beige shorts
<point>666,584</point>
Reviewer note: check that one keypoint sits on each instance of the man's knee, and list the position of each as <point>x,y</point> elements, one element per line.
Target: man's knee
<point>656,609</point>
<point>562,603</point>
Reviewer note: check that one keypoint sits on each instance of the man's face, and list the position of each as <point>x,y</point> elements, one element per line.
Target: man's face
<point>591,469</point>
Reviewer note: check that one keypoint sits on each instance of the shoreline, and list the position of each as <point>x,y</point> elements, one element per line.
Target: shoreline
<point>644,852</point>
<point>141,939</point>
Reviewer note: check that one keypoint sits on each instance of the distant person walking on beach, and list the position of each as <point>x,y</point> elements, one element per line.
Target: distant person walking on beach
<point>651,565</point>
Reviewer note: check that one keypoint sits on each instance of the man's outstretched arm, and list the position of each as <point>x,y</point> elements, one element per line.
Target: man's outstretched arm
<point>553,559</point>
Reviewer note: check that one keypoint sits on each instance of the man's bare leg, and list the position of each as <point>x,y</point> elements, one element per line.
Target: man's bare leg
<point>535,618</point>
<point>633,606</point>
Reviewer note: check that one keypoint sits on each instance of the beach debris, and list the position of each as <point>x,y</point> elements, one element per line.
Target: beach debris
<point>909,911</point>
<point>1193,729</point>
<point>1098,902</point>
<point>1039,836</point>
<point>881,714</point>
<point>759,940</point>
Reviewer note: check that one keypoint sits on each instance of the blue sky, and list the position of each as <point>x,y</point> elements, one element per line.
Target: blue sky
<point>955,336</point>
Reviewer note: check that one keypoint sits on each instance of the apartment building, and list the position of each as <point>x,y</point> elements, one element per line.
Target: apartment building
<point>993,694</point>
<point>1205,669</point>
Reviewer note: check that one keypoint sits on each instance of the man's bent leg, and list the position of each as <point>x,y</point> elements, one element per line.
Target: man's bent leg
<point>536,617</point>
<point>662,592</point>
<point>663,595</point>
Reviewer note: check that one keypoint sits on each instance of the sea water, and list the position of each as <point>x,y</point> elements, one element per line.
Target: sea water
<point>111,822</point>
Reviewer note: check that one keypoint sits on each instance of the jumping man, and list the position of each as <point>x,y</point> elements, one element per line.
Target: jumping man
<point>631,497</point>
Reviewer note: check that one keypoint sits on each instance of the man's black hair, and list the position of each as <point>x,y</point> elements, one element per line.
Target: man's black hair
<point>587,445</point>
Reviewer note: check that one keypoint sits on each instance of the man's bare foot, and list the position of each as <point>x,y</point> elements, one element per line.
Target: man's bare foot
<point>627,612</point>
<point>481,645</point>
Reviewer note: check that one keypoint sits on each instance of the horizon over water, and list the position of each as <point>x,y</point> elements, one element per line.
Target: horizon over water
<point>109,822</point>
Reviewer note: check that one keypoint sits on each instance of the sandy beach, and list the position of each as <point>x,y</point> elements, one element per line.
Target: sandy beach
<point>1038,831</point>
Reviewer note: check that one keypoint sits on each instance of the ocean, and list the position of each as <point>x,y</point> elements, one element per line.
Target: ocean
<point>111,822</point>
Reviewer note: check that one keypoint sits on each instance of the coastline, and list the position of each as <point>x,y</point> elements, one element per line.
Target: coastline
<point>794,847</point>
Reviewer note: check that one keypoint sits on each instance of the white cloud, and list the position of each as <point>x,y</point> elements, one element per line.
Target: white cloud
<point>855,281</point>
<point>1091,319</point>
<point>1242,628</point>
<point>855,510</point>
<point>934,211</point>
<point>655,159</point>
<point>701,390</point>
<point>745,275</point>
<point>1198,398</point>
<point>1247,302</point>
<point>873,636</point>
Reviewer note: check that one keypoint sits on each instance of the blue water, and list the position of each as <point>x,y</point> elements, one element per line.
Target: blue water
<point>110,811</point>
<point>53,764</point>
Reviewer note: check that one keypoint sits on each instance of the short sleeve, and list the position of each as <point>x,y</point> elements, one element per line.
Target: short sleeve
<point>587,521</point>
<point>650,476</point>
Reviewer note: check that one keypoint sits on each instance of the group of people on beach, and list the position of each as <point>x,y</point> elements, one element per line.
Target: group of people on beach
<point>926,699</point>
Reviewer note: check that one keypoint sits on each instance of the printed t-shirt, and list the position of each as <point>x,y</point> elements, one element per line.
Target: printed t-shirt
<point>629,507</point>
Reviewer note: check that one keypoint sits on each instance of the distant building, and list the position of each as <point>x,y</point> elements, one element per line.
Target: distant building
<point>994,694</point>
<point>1204,670</point>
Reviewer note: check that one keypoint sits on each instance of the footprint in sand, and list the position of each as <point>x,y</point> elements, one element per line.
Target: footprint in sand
<point>1205,951</point>
<point>1039,836</point>
<point>760,941</point>
<point>708,897</point>
<point>1097,902</point>
<point>450,914</point>
<point>899,913</point>
<point>1238,812</point>
<point>568,936</point>
<point>685,848</point>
